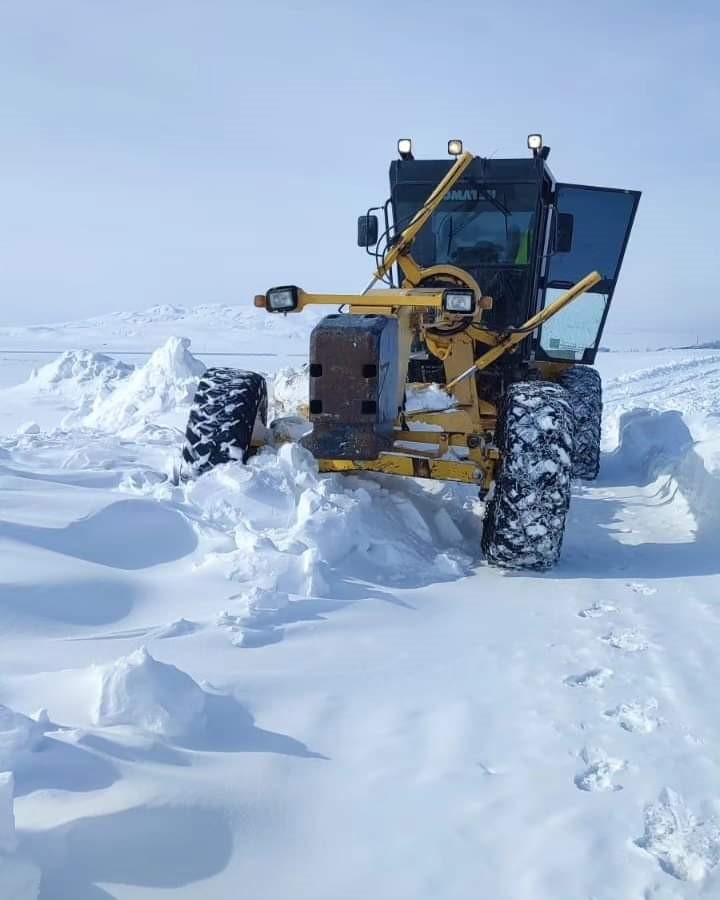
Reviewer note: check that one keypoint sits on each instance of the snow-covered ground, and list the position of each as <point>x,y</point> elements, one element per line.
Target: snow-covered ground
<point>272,684</point>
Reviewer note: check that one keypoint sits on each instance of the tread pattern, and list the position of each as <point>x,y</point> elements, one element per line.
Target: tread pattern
<point>226,406</point>
<point>525,515</point>
<point>584,386</point>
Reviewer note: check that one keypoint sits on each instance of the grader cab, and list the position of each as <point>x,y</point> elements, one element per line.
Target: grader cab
<point>469,355</point>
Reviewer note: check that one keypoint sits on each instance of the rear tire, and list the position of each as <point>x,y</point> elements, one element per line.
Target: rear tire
<point>227,404</point>
<point>525,515</point>
<point>584,386</point>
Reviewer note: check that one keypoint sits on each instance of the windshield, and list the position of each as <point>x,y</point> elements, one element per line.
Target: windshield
<point>475,225</point>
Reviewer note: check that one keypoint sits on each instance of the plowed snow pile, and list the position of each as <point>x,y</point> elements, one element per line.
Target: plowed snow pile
<point>77,380</point>
<point>167,380</point>
<point>292,527</point>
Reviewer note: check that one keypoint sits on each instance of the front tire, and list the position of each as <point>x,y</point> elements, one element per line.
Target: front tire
<point>226,407</point>
<point>584,386</point>
<point>525,515</point>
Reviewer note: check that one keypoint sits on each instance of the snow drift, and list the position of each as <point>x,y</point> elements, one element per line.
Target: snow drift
<point>19,879</point>
<point>92,373</point>
<point>19,735</point>
<point>654,443</point>
<point>80,379</point>
<point>140,691</point>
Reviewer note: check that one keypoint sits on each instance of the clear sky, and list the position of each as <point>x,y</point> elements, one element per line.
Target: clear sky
<point>192,151</point>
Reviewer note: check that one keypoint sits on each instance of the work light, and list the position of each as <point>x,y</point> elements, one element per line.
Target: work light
<point>535,142</point>
<point>404,146</point>
<point>281,299</point>
<point>461,302</point>
<point>455,147</point>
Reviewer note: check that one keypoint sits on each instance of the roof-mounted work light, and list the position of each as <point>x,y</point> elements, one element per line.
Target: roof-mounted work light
<point>455,147</point>
<point>404,146</point>
<point>535,143</point>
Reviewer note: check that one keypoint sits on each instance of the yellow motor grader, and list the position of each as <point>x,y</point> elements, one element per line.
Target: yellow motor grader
<point>469,355</point>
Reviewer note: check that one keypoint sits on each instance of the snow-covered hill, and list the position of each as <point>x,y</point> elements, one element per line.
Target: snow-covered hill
<point>271,683</point>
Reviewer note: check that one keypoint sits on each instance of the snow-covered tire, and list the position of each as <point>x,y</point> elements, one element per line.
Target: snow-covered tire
<point>525,515</point>
<point>584,385</point>
<point>226,406</point>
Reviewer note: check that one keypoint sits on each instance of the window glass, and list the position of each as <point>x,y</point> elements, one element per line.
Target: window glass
<point>475,225</point>
<point>601,222</point>
<point>574,330</point>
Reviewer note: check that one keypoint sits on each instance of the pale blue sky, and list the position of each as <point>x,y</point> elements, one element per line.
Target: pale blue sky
<point>190,151</point>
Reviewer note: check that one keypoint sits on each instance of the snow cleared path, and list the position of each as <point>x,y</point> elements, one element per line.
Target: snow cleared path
<point>274,684</point>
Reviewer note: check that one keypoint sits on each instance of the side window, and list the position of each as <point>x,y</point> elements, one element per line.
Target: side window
<point>572,332</point>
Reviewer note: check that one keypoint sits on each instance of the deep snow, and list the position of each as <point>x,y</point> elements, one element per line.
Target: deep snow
<point>270,683</point>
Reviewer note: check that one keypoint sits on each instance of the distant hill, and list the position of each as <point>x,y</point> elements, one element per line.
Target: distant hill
<point>709,345</point>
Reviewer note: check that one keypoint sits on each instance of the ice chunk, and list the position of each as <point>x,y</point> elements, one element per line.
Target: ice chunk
<point>28,428</point>
<point>290,390</point>
<point>140,691</point>
<point>428,398</point>
<point>18,735</point>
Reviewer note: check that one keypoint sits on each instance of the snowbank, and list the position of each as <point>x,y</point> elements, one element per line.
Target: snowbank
<point>291,524</point>
<point>168,379</point>
<point>88,373</point>
<point>80,378</point>
<point>138,690</point>
<point>18,735</point>
<point>19,879</point>
<point>654,443</point>
<point>689,385</point>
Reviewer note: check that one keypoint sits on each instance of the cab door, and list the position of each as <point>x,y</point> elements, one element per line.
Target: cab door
<point>602,219</point>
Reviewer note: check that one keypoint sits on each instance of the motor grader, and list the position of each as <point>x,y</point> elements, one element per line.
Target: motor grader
<point>469,355</point>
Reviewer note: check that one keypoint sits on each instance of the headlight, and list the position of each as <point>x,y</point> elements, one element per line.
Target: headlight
<point>281,299</point>
<point>459,301</point>
<point>535,142</point>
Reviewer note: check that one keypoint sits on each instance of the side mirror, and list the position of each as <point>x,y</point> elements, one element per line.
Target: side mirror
<point>367,231</point>
<point>564,225</point>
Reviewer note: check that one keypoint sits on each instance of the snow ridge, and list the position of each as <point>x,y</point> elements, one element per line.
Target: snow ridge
<point>167,380</point>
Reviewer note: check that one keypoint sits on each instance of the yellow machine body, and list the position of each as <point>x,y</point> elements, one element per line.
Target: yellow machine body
<point>458,443</point>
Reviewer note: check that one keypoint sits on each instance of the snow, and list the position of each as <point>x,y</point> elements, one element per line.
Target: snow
<point>167,380</point>
<point>138,690</point>
<point>19,735</point>
<point>430,398</point>
<point>290,391</point>
<point>280,683</point>
<point>685,848</point>
<point>19,878</point>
